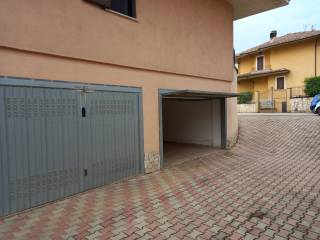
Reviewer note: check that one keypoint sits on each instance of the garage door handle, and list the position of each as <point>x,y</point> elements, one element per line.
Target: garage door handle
<point>83,112</point>
<point>85,172</point>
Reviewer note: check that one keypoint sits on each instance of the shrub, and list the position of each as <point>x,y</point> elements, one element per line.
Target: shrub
<point>245,97</point>
<point>312,86</point>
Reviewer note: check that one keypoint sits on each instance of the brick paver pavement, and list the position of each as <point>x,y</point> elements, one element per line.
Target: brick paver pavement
<point>266,187</point>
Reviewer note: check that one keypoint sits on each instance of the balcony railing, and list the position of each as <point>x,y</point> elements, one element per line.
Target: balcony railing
<point>266,67</point>
<point>297,92</point>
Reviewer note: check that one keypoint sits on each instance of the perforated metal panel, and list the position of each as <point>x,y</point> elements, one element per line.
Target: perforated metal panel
<point>48,150</point>
<point>110,142</point>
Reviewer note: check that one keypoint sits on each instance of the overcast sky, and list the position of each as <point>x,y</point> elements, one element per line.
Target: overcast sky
<point>300,15</point>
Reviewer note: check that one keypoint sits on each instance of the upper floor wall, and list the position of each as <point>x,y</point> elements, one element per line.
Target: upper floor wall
<point>175,36</point>
<point>299,58</point>
<point>249,63</point>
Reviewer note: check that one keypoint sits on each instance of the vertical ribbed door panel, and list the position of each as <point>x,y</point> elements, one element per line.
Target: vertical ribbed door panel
<point>39,151</point>
<point>110,138</point>
<point>49,150</point>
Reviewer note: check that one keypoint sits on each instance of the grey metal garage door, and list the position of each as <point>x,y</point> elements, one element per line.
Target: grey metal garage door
<point>56,141</point>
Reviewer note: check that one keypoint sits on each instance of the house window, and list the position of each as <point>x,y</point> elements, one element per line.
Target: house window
<point>280,82</point>
<point>126,7</point>
<point>260,63</point>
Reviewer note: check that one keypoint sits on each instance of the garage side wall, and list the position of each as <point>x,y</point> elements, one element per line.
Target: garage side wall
<point>192,122</point>
<point>216,123</point>
<point>232,120</point>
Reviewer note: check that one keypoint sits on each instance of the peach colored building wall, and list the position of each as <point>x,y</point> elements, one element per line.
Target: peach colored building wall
<point>232,120</point>
<point>174,36</point>
<point>173,44</point>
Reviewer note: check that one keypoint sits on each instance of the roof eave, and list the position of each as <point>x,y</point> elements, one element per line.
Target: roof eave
<point>239,56</point>
<point>249,76</point>
<point>246,8</point>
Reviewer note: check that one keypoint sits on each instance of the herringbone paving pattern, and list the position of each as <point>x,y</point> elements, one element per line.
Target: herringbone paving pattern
<point>266,187</point>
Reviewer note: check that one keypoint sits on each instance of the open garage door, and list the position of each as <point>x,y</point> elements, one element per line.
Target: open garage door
<point>192,123</point>
<point>58,139</point>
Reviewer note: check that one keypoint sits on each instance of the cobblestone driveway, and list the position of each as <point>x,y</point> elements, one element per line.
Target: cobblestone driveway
<point>267,187</point>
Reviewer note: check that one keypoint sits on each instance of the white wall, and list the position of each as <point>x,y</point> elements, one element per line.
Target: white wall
<point>194,122</point>
<point>247,108</point>
<point>216,123</point>
<point>300,104</point>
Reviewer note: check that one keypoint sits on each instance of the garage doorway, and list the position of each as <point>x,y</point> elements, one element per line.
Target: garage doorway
<point>191,124</point>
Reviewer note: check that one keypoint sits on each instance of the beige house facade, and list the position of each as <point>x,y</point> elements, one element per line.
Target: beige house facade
<point>275,71</point>
<point>178,55</point>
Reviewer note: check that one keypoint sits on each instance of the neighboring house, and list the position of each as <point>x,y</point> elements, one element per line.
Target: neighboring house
<point>277,69</point>
<point>89,90</point>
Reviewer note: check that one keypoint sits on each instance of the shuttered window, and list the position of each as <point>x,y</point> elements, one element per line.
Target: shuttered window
<point>260,63</point>
<point>280,82</point>
<point>126,7</point>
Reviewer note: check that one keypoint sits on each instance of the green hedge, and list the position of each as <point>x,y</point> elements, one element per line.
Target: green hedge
<point>312,86</point>
<point>245,97</point>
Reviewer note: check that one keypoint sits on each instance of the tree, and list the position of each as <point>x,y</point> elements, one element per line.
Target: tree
<point>312,86</point>
<point>245,97</point>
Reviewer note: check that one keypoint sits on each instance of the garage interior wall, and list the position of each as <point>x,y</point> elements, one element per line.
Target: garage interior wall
<point>192,122</point>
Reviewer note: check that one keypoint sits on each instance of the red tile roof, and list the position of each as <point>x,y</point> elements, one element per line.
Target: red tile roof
<point>286,39</point>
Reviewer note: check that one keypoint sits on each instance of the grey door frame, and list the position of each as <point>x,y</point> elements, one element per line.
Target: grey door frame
<point>224,122</point>
<point>223,115</point>
<point>44,83</point>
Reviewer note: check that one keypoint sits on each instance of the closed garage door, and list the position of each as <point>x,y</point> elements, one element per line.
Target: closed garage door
<point>58,139</point>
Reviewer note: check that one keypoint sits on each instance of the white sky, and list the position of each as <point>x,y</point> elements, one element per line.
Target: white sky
<point>300,15</point>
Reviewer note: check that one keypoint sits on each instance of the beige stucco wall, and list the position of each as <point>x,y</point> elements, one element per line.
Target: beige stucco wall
<point>170,35</point>
<point>249,63</point>
<point>246,85</point>
<point>254,85</point>
<point>299,59</point>
<point>318,58</point>
<point>246,64</point>
<point>260,84</point>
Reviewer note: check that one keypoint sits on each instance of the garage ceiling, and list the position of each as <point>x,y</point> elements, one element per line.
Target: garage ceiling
<point>197,95</point>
